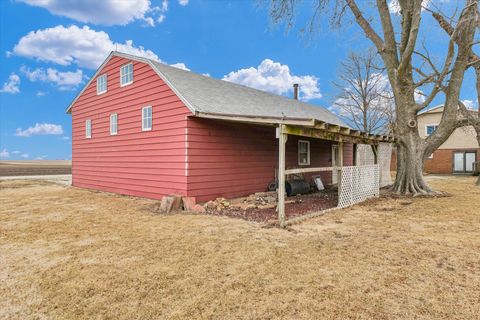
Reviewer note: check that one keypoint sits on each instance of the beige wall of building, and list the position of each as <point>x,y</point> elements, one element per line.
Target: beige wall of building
<point>461,138</point>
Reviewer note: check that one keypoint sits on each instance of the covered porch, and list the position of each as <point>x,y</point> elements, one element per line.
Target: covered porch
<point>354,183</point>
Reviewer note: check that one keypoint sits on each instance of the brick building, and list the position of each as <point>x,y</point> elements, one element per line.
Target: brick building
<point>457,154</point>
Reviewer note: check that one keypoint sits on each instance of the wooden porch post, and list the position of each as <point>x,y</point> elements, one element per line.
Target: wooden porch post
<point>340,162</point>
<point>282,139</point>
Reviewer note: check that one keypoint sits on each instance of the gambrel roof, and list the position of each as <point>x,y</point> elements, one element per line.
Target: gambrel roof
<point>209,96</point>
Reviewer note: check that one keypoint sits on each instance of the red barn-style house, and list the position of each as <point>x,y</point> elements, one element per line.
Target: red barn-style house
<point>143,128</point>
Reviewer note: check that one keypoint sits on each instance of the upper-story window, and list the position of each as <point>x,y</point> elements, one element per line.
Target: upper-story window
<point>102,84</point>
<point>430,128</point>
<point>88,128</point>
<point>303,152</point>
<point>113,124</point>
<point>147,118</point>
<point>126,74</point>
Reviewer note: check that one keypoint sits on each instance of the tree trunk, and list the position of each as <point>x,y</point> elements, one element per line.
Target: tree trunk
<point>477,126</point>
<point>411,153</point>
<point>410,157</point>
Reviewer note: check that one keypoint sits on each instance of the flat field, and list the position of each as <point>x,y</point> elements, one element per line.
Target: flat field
<point>67,253</point>
<point>35,167</point>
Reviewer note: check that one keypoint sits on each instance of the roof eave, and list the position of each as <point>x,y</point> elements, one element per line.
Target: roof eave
<point>298,122</point>
<point>270,120</point>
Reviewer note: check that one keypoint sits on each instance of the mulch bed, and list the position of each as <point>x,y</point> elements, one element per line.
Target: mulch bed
<point>302,204</point>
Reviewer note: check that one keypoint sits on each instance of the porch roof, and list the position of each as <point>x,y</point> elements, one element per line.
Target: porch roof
<point>306,128</point>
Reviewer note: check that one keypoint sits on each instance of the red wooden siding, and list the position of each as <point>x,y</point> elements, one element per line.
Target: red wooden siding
<point>227,159</point>
<point>149,163</point>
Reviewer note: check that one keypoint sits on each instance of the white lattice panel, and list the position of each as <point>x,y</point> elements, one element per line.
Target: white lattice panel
<point>365,157</point>
<point>357,184</point>
<point>384,160</point>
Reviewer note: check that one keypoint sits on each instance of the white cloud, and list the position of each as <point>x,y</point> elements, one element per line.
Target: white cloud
<point>40,93</point>
<point>275,78</point>
<point>12,85</point>
<point>43,157</point>
<point>161,18</point>
<point>469,104</point>
<point>74,45</point>
<point>16,152</point>
<point>40,129</point>
<point>183,2</point>
<point>63,80</point>
<point>419,96</point>
<point>149,21</point>
<point>164,7</point>
<point>180,65</point>
<point>4,153</point>
<point>106,12</point>
<point>24,155</point>
<point>394,5</point>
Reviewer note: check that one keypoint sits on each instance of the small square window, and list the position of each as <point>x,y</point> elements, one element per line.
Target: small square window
<point>430,128</point>
<point>88,129</point>
<point>147,118</point>
<point>102,84</point>
<point>126,74</point>
<point>113,124</point>
<point>303,153</point>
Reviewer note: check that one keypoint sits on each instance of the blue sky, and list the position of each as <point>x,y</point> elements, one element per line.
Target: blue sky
<point>49,51</point>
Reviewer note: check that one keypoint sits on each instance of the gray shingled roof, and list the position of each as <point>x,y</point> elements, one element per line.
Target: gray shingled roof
<point>208,95</point>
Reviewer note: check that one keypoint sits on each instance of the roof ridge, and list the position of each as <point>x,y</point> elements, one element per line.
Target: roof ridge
<point>205,94</point>
<point>238,84</point>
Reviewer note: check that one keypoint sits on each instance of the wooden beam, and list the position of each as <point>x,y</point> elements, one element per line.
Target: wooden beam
<point>320,125</point>
<point>355,133</point>
<point>344,130</point>
<point>333,128</point>
<point>282,139</point>
<point>256,120</point>
<point>340,163</point>
<point>305,170</point>
<point>326,135</point>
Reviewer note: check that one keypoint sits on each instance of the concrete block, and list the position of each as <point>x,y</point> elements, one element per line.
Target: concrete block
<point>189,203</point>
<point>170,203</point>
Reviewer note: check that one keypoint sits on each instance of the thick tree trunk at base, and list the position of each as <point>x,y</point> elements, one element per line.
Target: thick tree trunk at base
<point>409,179</point>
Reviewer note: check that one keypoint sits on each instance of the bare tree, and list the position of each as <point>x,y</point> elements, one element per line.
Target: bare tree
<point>396,42</point>
<point>468,118</point>
<point>365,99</point>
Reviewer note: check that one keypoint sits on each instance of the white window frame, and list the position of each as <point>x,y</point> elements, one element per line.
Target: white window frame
<point>430,156</point>
<point>308,152</point>
<point>88,129</point>
<point>145,119</point>
<point>124,75</point>
<point>100,81</point>
<point>113,124</point>
<point>430,125</point>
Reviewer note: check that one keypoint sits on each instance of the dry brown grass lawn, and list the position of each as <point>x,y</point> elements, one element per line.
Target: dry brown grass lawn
<point>70,253</point>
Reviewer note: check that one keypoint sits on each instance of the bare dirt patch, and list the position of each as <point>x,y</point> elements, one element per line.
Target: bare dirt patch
<point>75,254</point>
<point>295,206</point>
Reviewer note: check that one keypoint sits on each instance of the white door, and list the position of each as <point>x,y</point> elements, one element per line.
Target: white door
<point>458,162</point>
<point>469,160</point>
<point>334,163</point>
